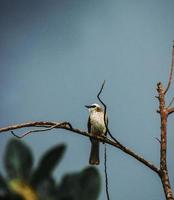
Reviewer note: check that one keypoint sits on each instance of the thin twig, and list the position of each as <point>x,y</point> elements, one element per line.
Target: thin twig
<point>171,71</point>
<point>158,140</point>
<point>106,174</point>
<point>105,155</point>
<point>34,131</point>
<point>57,125</point>
<point>105,108</point>
<point>171,102</point>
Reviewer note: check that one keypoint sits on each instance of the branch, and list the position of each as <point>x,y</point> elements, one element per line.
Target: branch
<point>68,126</point>
<point>35,131</point>
<point>105,109</point>
<point>171,72</point>
<point>164,112</point>
<point>170,111</point>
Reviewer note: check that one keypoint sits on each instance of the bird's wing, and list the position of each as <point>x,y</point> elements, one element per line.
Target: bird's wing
<point>106,119</point>
<point>89,125</point>
<point>106,123</point>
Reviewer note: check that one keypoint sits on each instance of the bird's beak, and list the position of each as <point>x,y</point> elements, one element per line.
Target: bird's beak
<point>87,106</point>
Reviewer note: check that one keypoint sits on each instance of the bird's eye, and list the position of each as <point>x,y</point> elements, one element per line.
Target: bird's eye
<point>93,106</point>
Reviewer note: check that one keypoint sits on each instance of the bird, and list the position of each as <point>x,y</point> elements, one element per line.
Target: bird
<point>96,126</point>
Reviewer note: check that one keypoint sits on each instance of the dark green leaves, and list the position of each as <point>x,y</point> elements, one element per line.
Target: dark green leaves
<point>80,186</point>
<point>47,189</point>
<point>90,183</point>
<point>18,160</point>
<point>47,163</point>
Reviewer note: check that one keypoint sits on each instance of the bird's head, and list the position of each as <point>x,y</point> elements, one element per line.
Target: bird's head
<point>94,108</point>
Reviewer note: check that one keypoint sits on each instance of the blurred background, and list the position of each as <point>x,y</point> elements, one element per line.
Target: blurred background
<point>54,56</point>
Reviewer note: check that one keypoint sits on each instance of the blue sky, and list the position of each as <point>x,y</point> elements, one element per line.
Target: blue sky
<point>55,54</point>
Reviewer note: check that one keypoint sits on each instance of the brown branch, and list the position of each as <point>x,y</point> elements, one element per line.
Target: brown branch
<point>171,72</point>
<point>67,126</point>
<point>164,112</point>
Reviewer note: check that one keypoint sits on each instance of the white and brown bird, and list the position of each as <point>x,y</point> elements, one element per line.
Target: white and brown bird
<point>96,126</point>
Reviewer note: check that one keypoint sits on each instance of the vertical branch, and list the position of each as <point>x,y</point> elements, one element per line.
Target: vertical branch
<point>163,114</point>
<point>163,145</point>
<point>165,111</point>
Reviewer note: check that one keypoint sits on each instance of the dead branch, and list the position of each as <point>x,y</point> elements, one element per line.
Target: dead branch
<point>164,112</point>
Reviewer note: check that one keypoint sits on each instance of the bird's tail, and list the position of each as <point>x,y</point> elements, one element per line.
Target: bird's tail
<point>94,155</point>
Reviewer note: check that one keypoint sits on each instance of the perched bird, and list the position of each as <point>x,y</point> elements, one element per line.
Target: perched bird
<point>96,126</point>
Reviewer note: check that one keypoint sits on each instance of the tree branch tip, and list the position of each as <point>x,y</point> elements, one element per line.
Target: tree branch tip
<point>101,89</point>
<point>158,84</point>
<point>15,135</point>
<point>158,140</point>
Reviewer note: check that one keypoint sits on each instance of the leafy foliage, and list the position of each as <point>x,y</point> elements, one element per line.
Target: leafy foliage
<point>25,183</point>
<point>18,160</point>
<point>47,163</point>
<point>86,185</point>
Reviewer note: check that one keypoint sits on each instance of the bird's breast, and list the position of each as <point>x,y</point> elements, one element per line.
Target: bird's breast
<point>97,123</point>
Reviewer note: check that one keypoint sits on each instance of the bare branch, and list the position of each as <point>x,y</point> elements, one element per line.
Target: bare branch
<point>171,71</point>
<point>67,126</point>
<point>34,131</point>
<point>164,112</point>
<point>105,109</point>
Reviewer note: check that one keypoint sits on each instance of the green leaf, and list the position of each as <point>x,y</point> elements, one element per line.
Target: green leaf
<point>47,164</point>
<point>69,187</point>
<point>80,186</point>
<point>18,160</point>
<point>90,183</point>
<point>47,189</point>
